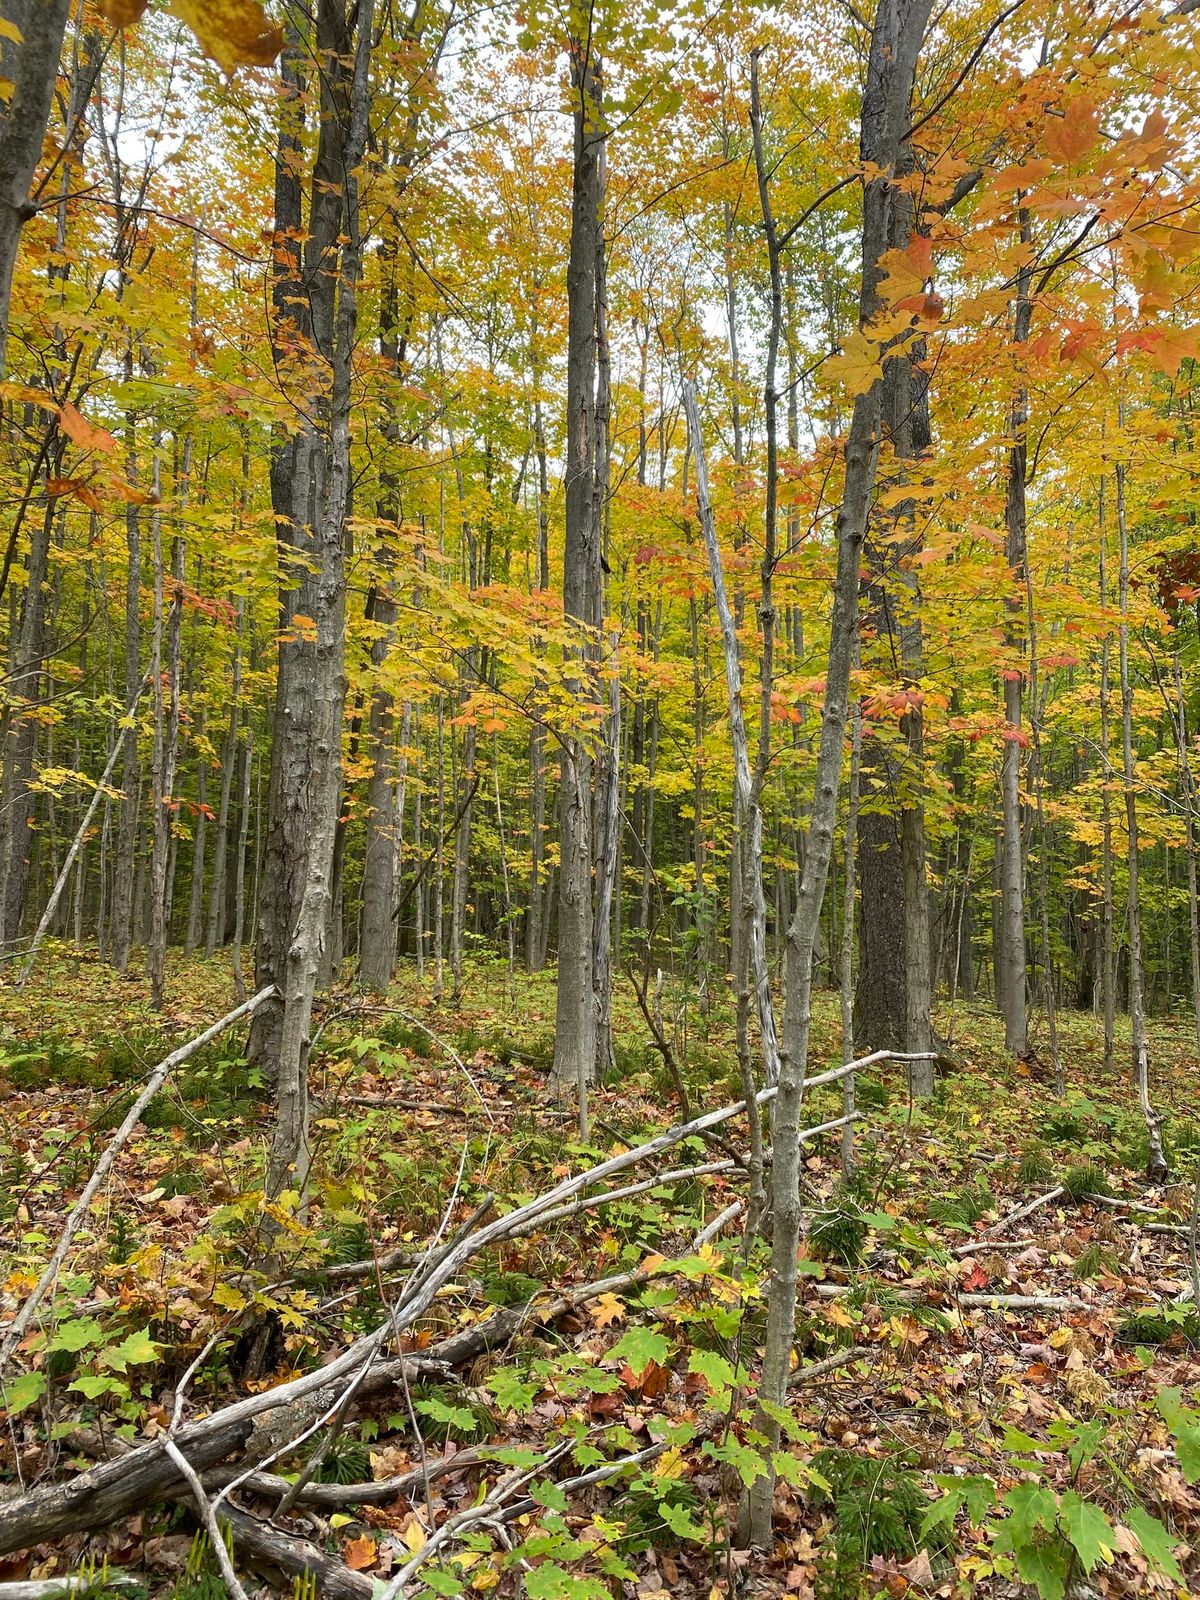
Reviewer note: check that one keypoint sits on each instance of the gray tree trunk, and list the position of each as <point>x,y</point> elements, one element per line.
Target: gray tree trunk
<point>1012,866</point>
<point>31,67</point>
<point>575,1006</point>
<point>315,306</point>
<point>1156,1166</point>
<point>896,37</point>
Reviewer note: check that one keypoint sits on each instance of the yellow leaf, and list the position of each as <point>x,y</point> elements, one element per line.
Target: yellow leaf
<point>235,33</point>
<point>670,1464</point>
<point>414,1535</point>
<point>608,1308</point>
<point>9,30</point>
<point>858,364</point>
<point>486,1578</point>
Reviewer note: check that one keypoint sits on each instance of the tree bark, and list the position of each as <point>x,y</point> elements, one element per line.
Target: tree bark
<point>896,38</point>
<point>575,1006</point>
<point>315,312</point>
<point>1012,872</point>
<point>1156,1166</point>
<point>32,67</point>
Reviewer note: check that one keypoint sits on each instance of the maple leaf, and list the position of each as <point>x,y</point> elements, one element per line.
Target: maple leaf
<point>609,1308</point>
<point>1069,137</point>
<point>858,365</point>
<point>360,1553</point>
<point>122,13</point>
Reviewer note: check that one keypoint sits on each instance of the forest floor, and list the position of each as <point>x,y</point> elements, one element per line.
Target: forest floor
<point>1071,1406</point>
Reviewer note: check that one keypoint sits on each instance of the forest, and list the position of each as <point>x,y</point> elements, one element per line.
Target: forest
<point>599,822</point>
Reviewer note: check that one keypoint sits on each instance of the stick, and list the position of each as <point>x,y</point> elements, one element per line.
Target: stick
<point>209,1518</point>
<point>18,1327</point>
<point>717,1223</point>
<point>61,1588</point>
<point>819,1369</point>
<point>976,1302</point>
<point>77,844</point>
<point>1022,1211</point>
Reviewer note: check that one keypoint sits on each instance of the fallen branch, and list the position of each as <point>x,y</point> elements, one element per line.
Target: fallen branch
<point>19,1326</point>
<point>260,1545</point>
<point>1022,1211</point>
<point>113,1489</point>
<point>975,1302</point>
<point>821,1369</point>
<point>376,1493</point>
<point>63,1588</point>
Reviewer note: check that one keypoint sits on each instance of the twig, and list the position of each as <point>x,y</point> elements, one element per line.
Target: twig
<point>986,1302</point>
<point>821,1369</point>
<point>208,1516</point>
<point>1022,1211</point>
<point>62,1588</point>
<point>717,1223</point>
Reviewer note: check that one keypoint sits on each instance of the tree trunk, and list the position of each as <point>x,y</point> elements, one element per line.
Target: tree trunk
<point>315,309</point>
<point>1012,872</point>
<point>1188,786</point>
<point>217,921</point>
<point>895,43</point>
<point>25,686</point>
<point>1156,1166</point>
<point>31,67</point>
<point>575,1007</point>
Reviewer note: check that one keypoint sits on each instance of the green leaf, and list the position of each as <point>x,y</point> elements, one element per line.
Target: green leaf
<point>1088,1529</point>
<point>83,1334</point>
<point>1045,1565</point>
<point>441,1581</point>
<point>680,1523</point>
<point>452,1416</point>
<point>976,1493</point>
<point>551,1582</point>
<point>511,1391</point>
<point>1030,1508</point>
<point>746,1461</point>
<point>638,1347</point>
<point>95,1384</point>
<point>718,1373</point>
<point>548,1494</point>
<point>136,1350</point>
<point>23,1391</point>
<point>1184,1423</point>
<point>1158,1547</point>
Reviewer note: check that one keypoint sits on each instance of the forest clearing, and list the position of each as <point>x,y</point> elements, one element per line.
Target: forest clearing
<point>599,937</point>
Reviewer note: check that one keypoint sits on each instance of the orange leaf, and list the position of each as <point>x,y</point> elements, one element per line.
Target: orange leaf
<point>361,1553</point>
<point>87,435</point>
<point>1069,138</point>
<point>235,33</point>
<point>121,13</point>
